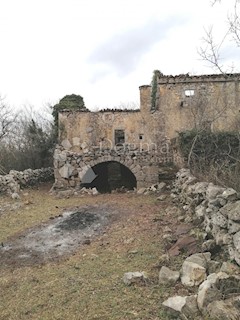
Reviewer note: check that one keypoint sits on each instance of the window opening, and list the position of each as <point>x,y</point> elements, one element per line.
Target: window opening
<point>119,137</point>
<point>189,93</point>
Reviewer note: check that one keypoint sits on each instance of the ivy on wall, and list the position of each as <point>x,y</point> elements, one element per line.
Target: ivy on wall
<point>154,84</point>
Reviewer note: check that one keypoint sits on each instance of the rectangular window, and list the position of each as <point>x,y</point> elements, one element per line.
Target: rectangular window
<point>141,136</point>
<point>119,137</point>
<point>189,93</point>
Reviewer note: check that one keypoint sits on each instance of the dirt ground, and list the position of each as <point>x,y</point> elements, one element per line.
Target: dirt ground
<point>65,258</point>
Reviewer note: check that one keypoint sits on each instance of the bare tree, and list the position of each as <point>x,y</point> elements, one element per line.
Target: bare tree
<point>210,51</point>
<point>7,119</point>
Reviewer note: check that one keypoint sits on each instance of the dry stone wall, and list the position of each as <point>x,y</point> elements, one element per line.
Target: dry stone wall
<point>215,208</point>
<point>70,167</point>
<point>12,183</point>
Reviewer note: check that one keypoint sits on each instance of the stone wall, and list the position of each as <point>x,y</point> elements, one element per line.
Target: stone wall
<point>70,167</point>
<point>12,183</point>
<point>214,208</point>
<point>186,102</point>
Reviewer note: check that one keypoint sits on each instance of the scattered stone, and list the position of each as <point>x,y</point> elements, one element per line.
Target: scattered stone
<point>214,266</point>
<point>213,191</point>
<point>232,211</point>
<point>229,194</point>
<point>230,268</point>
<point>15,196</point>
<point>200,211</point>
<point>209,245</point>
<point>182,306</point>
<point>161,186</point>
<point>94,191</point>
<point>194,269</point>
<point>65,193</point>
<point>224,309</point>
<point>131,278</point>
<point>233,227</point>
<point>208,291</point>
<point>141,191</point>
<point>162,197</point>
<point>236,240</point>
<point>167,276</point>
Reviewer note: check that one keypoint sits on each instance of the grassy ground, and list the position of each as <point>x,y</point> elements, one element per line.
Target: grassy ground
<point>88,285</point>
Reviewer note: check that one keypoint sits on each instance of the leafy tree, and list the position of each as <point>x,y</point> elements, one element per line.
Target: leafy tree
<point>69,102</point>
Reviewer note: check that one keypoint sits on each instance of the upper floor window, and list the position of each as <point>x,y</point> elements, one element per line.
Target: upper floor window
<point>119,137</point>
<point>189,93</point>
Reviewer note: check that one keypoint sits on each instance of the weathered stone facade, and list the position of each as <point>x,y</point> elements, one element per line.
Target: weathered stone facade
<point>141,139</point>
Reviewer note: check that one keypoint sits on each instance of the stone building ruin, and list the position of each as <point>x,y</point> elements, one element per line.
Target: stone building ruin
<point>113,148</point>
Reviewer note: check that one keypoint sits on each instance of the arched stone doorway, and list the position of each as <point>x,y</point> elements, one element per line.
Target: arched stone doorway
<point>109,175</point>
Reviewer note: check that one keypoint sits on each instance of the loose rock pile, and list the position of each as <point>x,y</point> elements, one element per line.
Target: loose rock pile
<point>214,208</point>
<point>210,282</point>
<point>12,183</point>
<point>218,294</point>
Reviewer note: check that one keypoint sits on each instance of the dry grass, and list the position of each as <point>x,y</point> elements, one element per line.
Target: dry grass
<point>87,285</point>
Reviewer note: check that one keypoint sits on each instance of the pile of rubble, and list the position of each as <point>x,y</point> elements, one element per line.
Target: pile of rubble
<point>74,192</point>
<point>12,183</point>
<point>207,286</point>
<point>217,294</point>
<point>213,208</point>
<point>155,188</point>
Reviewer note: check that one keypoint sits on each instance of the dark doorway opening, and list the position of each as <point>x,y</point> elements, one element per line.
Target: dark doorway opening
<point>110,176</point>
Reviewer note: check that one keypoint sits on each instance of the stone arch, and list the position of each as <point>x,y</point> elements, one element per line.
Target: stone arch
<point>108,175</point>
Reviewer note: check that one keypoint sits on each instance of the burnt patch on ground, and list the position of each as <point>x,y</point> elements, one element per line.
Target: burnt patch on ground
<point>79,220</point>
<point>58,238</point>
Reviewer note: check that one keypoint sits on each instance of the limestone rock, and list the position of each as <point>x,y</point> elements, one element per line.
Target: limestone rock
<point>130,278</point>
<point>230,268</point>
<point>229,194</point>
<point>224,309</point>
<point>141,191</point>
<point>200,187</point>
<point>15,196</point>
<point>200,211</point>
<point>194,269</point>
<point>233,227</point>
<point>66,144</point>
<point>219,220</point>
<point>94,191</point>
<point>162,197</point>
<point>190,309</point>
<point>232,211</point>
<point>175,304</point>
<point>167,276</point>
<point>236,240</point>
<point>209,245</point>
<point>208,292</point>
<point>66,171</point>
<point>182,306</point>
<point>213,191</point>
<point>161,186</point>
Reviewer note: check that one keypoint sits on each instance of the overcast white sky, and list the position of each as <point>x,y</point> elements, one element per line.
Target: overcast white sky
<point>101,49</point>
